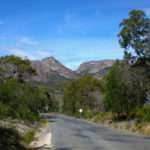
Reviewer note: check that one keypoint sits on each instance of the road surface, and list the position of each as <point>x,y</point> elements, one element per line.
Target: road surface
<point>73,134</point>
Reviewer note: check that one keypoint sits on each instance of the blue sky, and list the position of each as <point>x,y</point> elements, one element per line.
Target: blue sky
<point>73,31</point>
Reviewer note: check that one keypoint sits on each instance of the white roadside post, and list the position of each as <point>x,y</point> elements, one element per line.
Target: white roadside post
<point>80,111</point>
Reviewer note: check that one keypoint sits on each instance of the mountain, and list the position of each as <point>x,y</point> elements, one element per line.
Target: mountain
<point>50,70</point>
<point>95,68</point>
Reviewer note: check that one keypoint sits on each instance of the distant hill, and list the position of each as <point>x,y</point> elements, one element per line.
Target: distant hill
<point>50,70</point>
<point>95,68</point>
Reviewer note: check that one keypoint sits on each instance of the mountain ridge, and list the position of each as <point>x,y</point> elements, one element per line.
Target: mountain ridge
<point>50,69</point>
<point>96,68</point>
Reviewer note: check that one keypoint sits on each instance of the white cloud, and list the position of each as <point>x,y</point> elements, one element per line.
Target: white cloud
<point>26,40</point>
<point>16,51</point>
<point>33,55</point>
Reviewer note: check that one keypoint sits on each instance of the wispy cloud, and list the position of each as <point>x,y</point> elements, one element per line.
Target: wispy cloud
<point>26,40</point>
<point>37,54</point>
<point>16,51</point>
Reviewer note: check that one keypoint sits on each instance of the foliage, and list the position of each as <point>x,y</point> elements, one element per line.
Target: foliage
<point>80,94</point>
<point>143,114</point>
<point>15,67</point>
<point>21,100</point>
<point>135,34</point>
<point>28,137</point>
<point>115,91</point>
<point>57,93</point>
<point>103,117</point>
<point>23,65</point>
<point>125,88</point>
<point>136,82</point>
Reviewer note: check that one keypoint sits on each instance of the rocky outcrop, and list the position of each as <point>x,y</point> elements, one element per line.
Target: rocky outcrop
<point>50,70</point>
<point>95,68</point>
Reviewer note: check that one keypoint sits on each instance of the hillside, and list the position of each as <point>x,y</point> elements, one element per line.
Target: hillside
<point>95,68</point>
<point>50,70</point>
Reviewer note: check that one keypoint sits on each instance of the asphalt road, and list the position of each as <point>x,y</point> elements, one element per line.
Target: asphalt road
<point>73,134</point>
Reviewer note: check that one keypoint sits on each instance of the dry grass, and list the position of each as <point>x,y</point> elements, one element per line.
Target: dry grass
<point>132,126</point>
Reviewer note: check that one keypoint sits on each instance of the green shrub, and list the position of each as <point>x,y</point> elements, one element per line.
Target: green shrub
<point>88,114</point>
<point>143,114</point>
<point>28,137</point>
<point>4,110</point>
<point>103,117</point>
<point>22,100</point>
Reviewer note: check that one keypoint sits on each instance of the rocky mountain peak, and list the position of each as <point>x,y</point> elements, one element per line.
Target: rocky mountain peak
<point>50,59</point>
<point>50,69</point>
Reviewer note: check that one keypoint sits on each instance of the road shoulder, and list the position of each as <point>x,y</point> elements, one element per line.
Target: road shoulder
<point>43,138</point>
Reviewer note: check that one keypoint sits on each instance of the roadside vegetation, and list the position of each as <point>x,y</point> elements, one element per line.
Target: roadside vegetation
<point>82,93</point>
<point>120,99</point>
<point>19,98</point>
<point>125,90</point>
<point>21,102</point>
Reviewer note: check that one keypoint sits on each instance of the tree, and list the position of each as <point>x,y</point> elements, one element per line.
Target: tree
<point>125,88</point>
<point>15,67</point>
<point>134,36</point>
<point>136,82</point>
<point>82,93</point>
<point>18,98</point>
<point>115,98</point>
<point>22,100</point>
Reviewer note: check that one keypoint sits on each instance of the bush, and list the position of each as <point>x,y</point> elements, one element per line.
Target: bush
<point>103,117</point>
<point>22,100</point>
<point>19,98</point>
<point>88,114</point>
<point>28,137</point>
<point>143,114</point>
